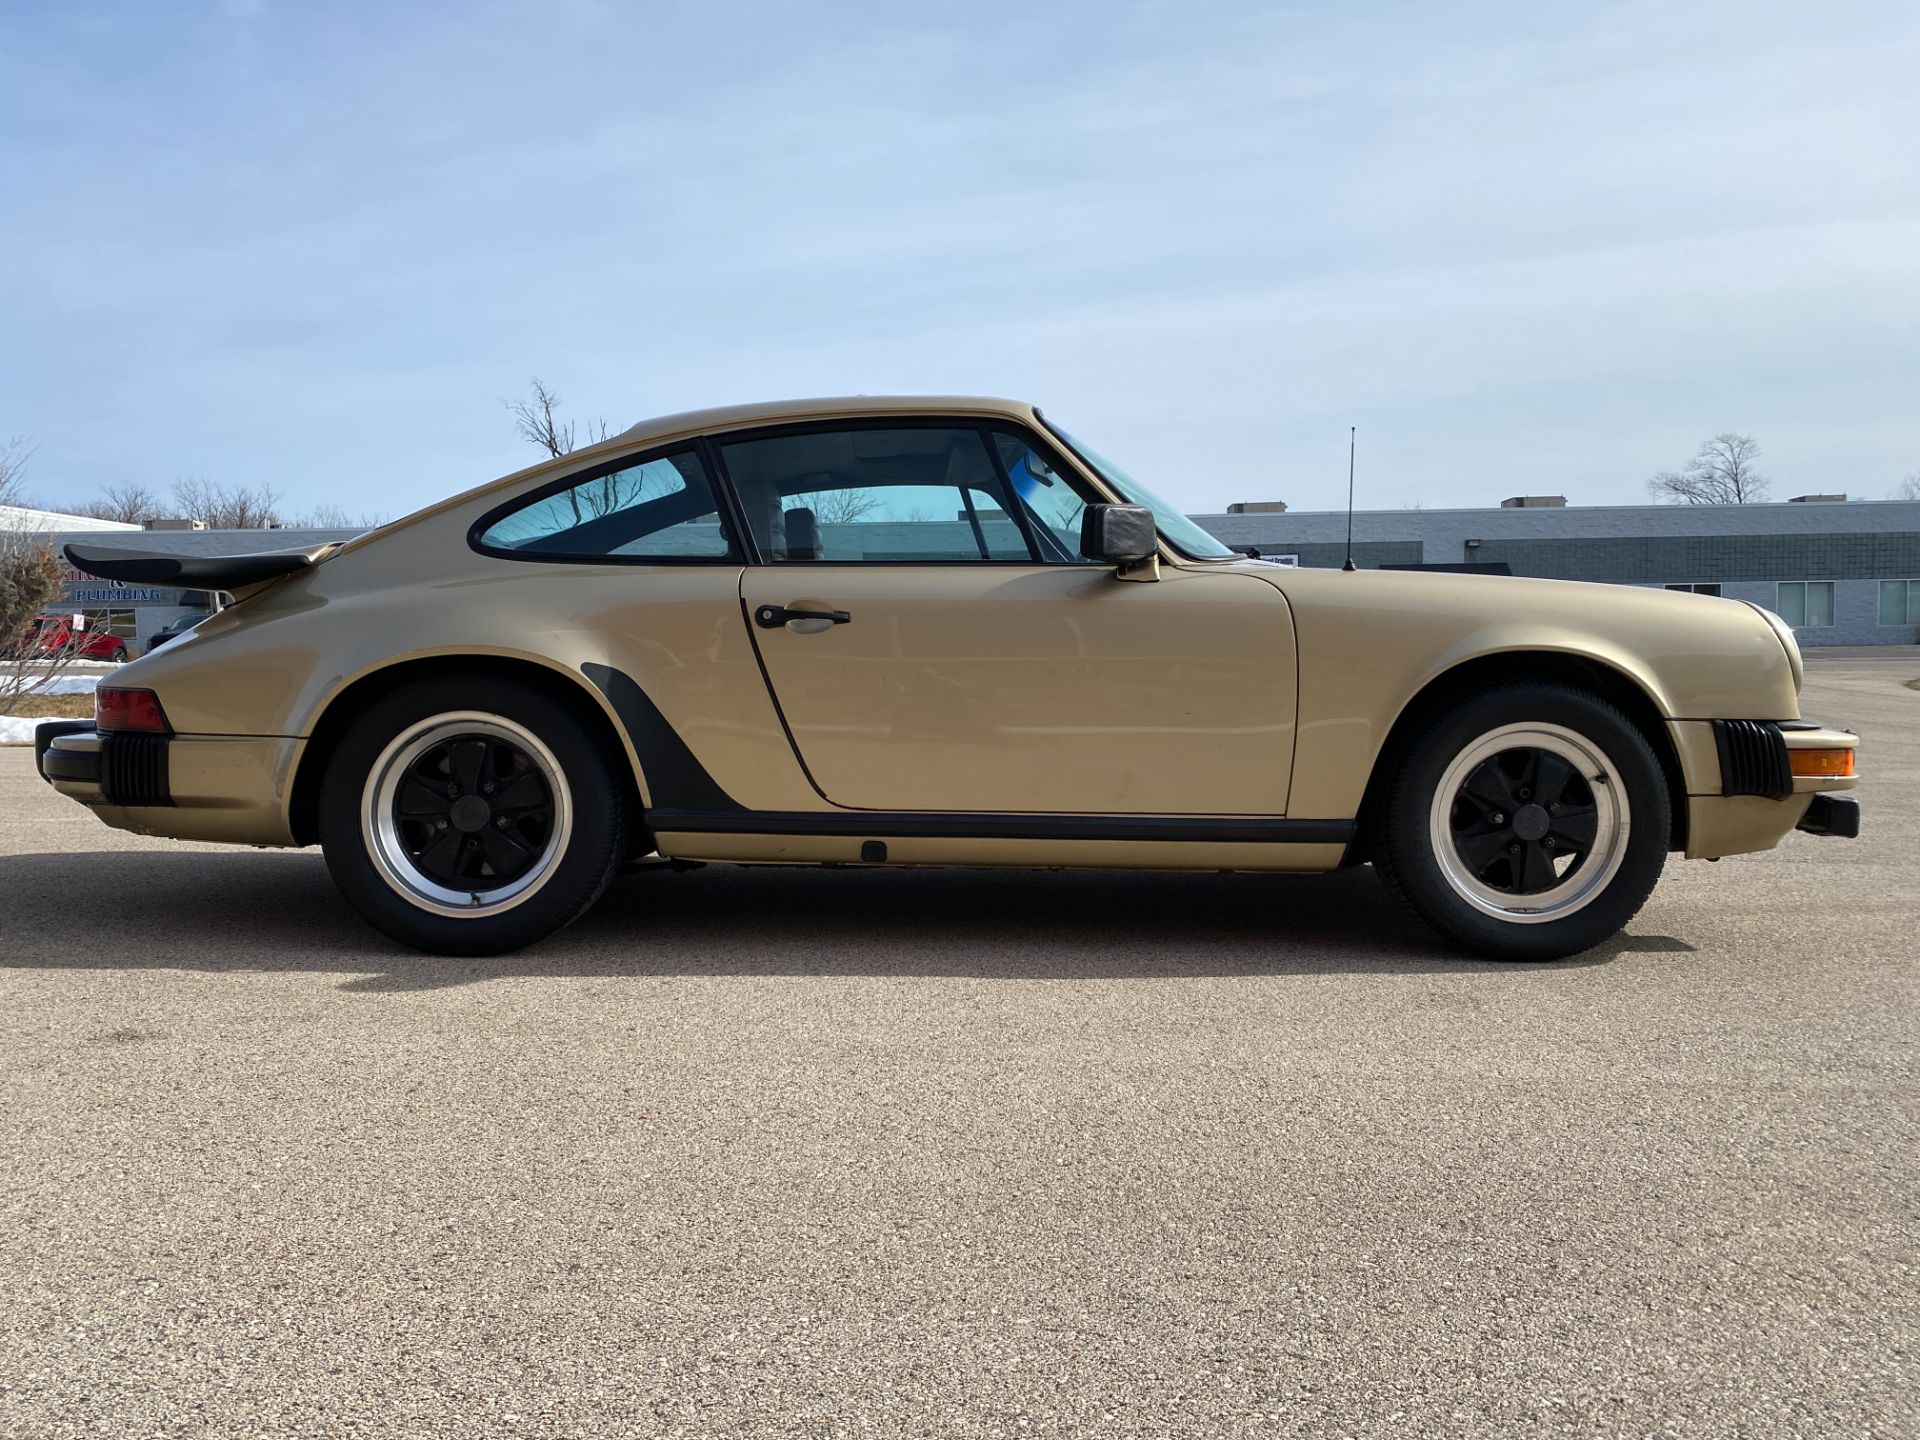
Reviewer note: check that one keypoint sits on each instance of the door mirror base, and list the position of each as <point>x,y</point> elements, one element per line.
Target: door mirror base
<point>1147,570</point>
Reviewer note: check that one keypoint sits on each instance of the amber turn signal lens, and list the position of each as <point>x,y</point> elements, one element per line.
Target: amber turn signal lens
<point>1822,764</point>
<point>128,710</point>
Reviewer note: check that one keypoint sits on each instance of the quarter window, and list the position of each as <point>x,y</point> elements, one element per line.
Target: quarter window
<point>660,509</point>
<point>1805,604</point>
<point>876,495</point>
<point>1900,602</point>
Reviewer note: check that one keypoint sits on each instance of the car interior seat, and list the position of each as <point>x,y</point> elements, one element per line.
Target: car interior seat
<point>803,534</point>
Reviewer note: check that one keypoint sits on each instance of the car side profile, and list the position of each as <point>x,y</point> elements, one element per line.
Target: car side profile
<point>932,631</point>
<point>58,635</point>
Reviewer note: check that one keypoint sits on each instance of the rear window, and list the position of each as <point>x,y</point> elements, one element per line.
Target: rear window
<point>658,509</point>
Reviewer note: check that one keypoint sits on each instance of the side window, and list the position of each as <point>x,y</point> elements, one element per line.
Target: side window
<point>1049,497</point>
<point>913,493</point>
<point>660,509</point>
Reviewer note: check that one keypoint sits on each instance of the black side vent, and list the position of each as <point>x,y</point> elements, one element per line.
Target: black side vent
<point>1753,758</point>
<point>133,769</point>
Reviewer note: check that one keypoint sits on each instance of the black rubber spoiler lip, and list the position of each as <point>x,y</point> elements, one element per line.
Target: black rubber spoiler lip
<point>198,572</point>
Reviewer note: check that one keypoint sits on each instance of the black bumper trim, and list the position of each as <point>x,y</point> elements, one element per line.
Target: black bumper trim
<point>1753,758</point>
<point>130,768</point>
<point>1837,815</point>
<point>967,825</point>
<point>48,731</point>
<point>133,769</point>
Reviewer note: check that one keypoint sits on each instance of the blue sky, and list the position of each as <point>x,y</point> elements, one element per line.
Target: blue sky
<point>1523,247</point>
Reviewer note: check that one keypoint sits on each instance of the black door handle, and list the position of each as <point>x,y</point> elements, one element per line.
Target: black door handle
<point>772,617</point>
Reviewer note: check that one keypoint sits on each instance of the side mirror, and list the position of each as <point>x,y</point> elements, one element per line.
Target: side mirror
<point>1122,535</point>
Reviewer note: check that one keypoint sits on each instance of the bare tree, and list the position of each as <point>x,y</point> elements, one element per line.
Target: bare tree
<point>334,517</point>
<point>842,507</point>
<point>536,420</point>
<point>1720,473</point>
<point>129,503</point>
<point>1907,489</point>
<point>29,584</point>
<point>222,506</point>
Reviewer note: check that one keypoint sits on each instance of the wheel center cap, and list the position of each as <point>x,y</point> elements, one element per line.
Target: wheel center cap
<point>470,813</point>
<point>1529,821</point>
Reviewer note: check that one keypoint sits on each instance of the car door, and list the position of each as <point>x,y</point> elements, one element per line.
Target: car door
<point>935,642</point>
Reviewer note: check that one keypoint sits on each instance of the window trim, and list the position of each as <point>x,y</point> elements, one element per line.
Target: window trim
<point>1906,603</point>
<point>982,425</point>
<point>1693,587</point>
<point>724,508</point>
<point>1833,603</point>
<point>1093,470</point>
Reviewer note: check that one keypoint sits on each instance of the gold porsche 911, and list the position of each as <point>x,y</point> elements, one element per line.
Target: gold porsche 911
<point>932,632</point>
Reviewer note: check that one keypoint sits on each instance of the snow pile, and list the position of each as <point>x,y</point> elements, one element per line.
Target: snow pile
<point>18,729</point>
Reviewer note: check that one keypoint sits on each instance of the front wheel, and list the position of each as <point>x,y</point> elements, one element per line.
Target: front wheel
<point>470,816</point>
<point>1529,822</point>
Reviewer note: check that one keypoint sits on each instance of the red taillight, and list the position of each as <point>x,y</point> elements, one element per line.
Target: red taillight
<point>128,710</point>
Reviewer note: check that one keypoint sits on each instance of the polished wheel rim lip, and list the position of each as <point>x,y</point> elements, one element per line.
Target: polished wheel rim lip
<point>385,832</point>
<point>1591,871</point>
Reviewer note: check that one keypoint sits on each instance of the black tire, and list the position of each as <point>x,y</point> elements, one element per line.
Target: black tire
<point>119,655</point>
<point>1481,909</point>
<point>580,847</point>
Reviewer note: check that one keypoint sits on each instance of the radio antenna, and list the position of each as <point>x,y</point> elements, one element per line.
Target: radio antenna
<point>1353,433</point>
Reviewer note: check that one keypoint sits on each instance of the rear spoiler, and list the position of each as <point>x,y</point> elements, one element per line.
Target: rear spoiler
<point>197,572</point>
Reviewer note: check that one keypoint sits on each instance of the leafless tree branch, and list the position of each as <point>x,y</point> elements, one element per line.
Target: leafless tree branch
<point>29,584</point>
<point>536,419</point>
<point>1720,473</point>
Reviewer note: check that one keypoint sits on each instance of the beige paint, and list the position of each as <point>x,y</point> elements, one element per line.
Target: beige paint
<point>1039,688</point>
<point>1739,824</point>
<point>1221,688</point>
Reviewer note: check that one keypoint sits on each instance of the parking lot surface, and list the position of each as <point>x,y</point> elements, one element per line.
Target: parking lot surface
<point>942,1153</point>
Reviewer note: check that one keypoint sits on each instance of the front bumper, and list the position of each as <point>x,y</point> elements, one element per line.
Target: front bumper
<point>1742,793</point>
<point>1832,815</point>
<point>231,788</point>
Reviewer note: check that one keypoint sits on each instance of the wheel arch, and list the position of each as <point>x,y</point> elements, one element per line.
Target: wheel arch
<point>337,714</point>
<point>1581,672</point>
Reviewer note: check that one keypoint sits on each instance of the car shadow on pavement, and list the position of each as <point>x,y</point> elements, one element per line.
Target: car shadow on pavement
<point>252,910</point>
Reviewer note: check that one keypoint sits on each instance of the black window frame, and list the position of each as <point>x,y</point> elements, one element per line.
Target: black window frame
<point>984,426</point>
<point>732,521</point>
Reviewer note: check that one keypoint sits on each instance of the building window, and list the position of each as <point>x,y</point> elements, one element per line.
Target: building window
<point>1805,604</point>
<point>1900,602</point>
<point>1713,589</point>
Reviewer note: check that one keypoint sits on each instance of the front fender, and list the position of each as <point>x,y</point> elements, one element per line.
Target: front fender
<point>1372,641</point>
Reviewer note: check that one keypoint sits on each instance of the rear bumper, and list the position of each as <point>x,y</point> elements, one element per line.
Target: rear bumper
<point>231,788</point>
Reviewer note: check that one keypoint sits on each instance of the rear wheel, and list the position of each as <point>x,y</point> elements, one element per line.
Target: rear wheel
<point>119,655</point>
<point>1527,823</point>
<point>470,816</point>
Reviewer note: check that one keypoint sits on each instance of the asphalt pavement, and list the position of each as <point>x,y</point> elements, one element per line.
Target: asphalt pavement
<point>945,1153</point>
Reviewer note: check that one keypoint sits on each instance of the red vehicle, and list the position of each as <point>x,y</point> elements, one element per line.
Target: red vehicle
<point>57,635</point>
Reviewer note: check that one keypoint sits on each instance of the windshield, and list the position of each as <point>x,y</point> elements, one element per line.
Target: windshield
<point>1188,538</point>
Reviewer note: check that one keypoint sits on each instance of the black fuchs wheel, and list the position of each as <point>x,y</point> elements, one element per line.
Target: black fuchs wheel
<point>471,816</point>
<point>1529,822</point>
